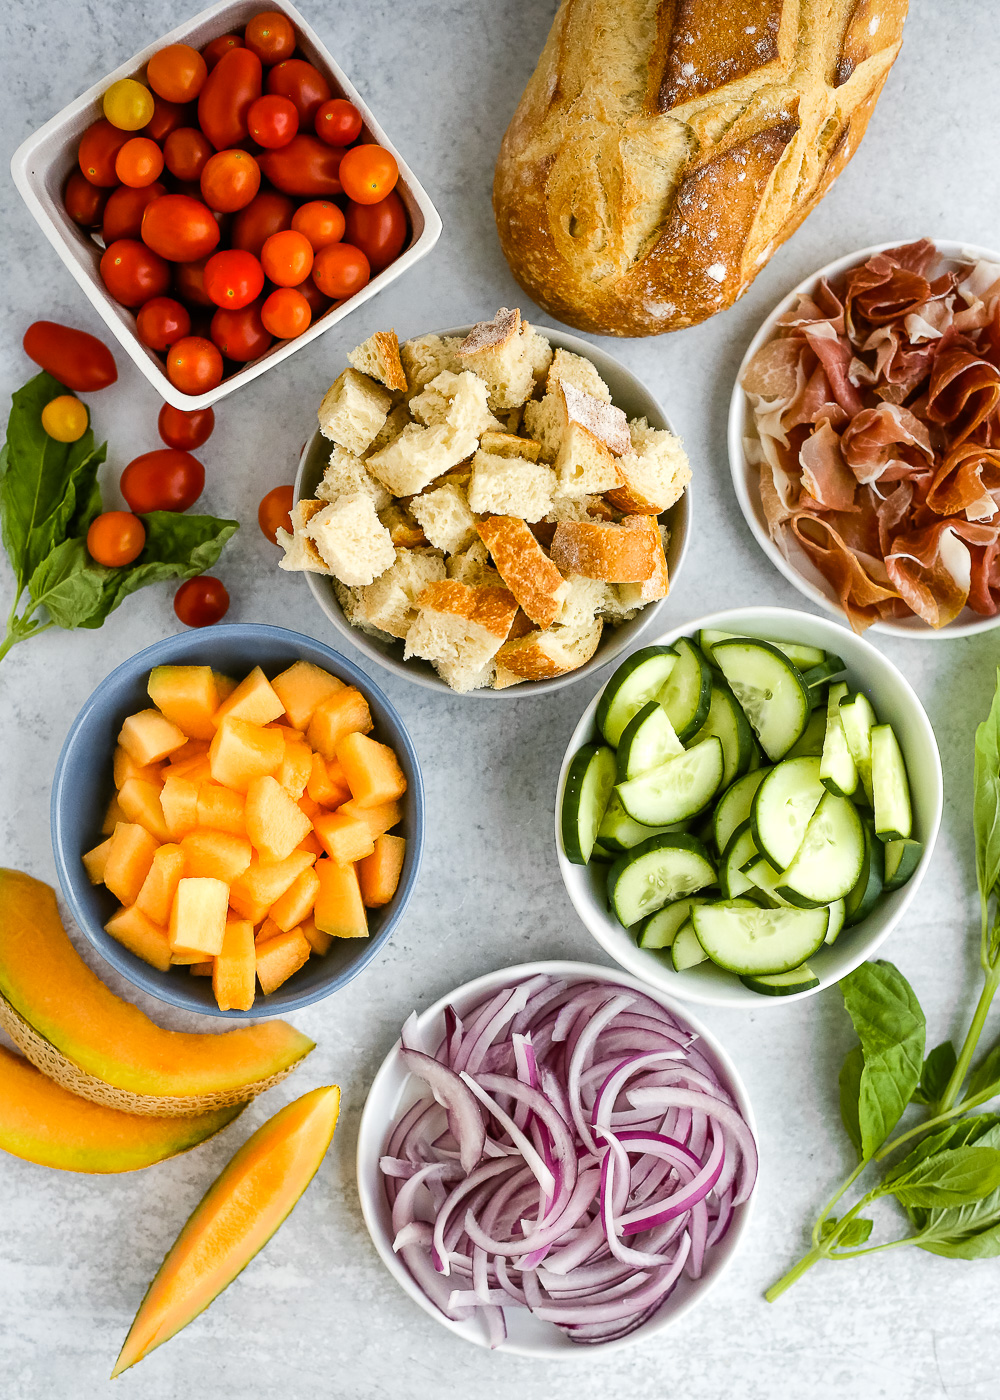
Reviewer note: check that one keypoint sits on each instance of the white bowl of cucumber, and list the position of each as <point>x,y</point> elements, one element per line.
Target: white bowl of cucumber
<point>753,850</point>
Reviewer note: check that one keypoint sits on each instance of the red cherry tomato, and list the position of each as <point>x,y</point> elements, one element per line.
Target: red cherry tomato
<point>189,282</point>
<point>162,321</point>
<point>318,301</point>
<point>116,538</point>
<point>286,313</point>
<point>229,181</point>
<point>139,162</point>
<point>194,365</point>
<point>368,173</point>
<point>133,273</point>
<point>124,210</point>
<point>304,84</point>
<point>338,122</point>
<point>230,90</point>
<point>162,480</point>
<point>233,279</point>
<point>287,258</point>
<point>269,212</point>
<point>240,335</point>
<point>201,601</point>
<point>186,152</point>
<point>179,228</point>
<point>84,202</point>
<point>216,48</point>
<point>183,429</point>
<point>270,36</point>
<point>273,121</point>
<point>275,512</point>
<point>379,230</point>
<point>167,117</point>
<point>340,270</point>
<point>177,73</point>
<point>99,147</point>
<point>304,167</point>
<point>321,221</point>
<point>79,360</point>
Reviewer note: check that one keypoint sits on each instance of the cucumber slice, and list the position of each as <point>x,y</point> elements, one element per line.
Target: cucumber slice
<point>647,741</point>
<point>828,862</point>
<point>637,681</point>
<point>837,916</point>
<point>661,928</point>
<point>662,869</point>
<point>728,723</point>
<point>770,690</point>
<point>810,744</point>
<point>783,808</point>
<point>890,788</point>
<point>603,853</point>
<point>783,984</point>
<point>734,806</point>
<point>756,758</point>
<point>688,691</point>
<point>748,940</point>
<point>677,790</point>
<point>686,951</point>
<point>797,652</point>
<point>618,832</point>
<point>838,772</point>
<point>589,784</point>
<point>858,719</point>
<point>742,850</point>
<point>764,881</point>
<point>866,893</point>
<point>901,860</point>
<point>818,675</point>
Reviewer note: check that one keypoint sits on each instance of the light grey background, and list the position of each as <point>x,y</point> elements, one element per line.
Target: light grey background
<point>316,1315</point>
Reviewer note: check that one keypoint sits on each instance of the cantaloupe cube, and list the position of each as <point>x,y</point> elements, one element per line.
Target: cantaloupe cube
<point>252,700</point>
<point>302,688</point>
<point>307,805</point>
<point>378,874</point>
<point>310,842</point>
<point>125,767</point>
<point>202,969</point>
<point>372,770</point>
<point>216,855</point>
<point>188,759</point>
<point>279,958</point>
<point>242,751</point>
<point>268,929</point>
<point>179,804</point>
<point>296,766</point>
<point>234,975</point>
<point>187,957</point>
<point>327,785</point>
<point>319,942</point>
<point>346,712</point>
<point>140,801</point>
<point>275,824</point>
<point>378,819</point>
<point>131,855</point>
<point>140,936</point>
<point>221,809</point>
<point>260,885</point>
<point>156,898</point>
<point>187,696</point>
<point>198,916</point>
<point>344,839</point>
<point>94,862</point>
<point>147,737</point>
<point>339,910</point>
<point>112,817</point>
<point>297,902</point>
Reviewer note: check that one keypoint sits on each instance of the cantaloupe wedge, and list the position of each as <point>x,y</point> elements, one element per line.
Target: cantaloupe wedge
<point>301,689</point>
<point>346,712</point>
<point>339,910</point>
<point>240,1213</point>
<point>252,700</point>
<point>147,737</point>
<point>179,805</point>
<point>221,809</point>
<point>279,958</point>
<point>372,770</point>
<point>44,1123</point>
<point>378,874</point>
<point>343,837</point>
<point>67,1022</point>
<point>296,766</point>
<point>275,825</point>
<point>140,801</point>
<point>242,751</point>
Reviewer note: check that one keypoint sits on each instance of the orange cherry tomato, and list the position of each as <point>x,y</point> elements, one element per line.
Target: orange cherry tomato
<point>133,273</point>
<point>286,313</point>
<point>368,173</point>
<point>270,36</point>
<point>194,365</point>
<point>99,147</point>
<point>177,73</point>
<point>229,181</point>
<point>233,278</point>
<point>379,230</point>
<point>338,122</point>
<point>116,538</point>
<point>201,601</point>
<point>340,270</point>
<point>166,479</point>
<point>65,418</point>
<point>216,48</point>
<point>162,321</point>
<point>124,210</point>
<point>167,117</point>
<point>230,90</point>
<point>318,301</point>
<point>139,163</point>
<point>273,121</point>
<point>84,202</point>
<point>189,282</point>
<point>77,359</point>
<point>304,84</point>
<point>185,429</point>
<point>240,335</point>
<point>186,152</point>
<point>287,258</point>
<point>275,512</point>
<point>304,167</point>
<point>321,221</point>
<point>179,228</point>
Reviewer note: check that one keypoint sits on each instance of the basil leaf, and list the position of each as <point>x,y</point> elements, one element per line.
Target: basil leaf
<point>856,1232</point>
<point>937,1071</point>
<point>890,1026</point>
<point>68,584</point>
<point>850,1093</point>
<point>971,1231</point>
<point>986,800</point>
<point>955,1177</point>
<point>986,1075</point>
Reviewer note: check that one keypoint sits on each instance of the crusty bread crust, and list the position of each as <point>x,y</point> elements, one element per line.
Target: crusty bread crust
<point>541,656</point>
<point>610,552</point>
<point>525,568</point>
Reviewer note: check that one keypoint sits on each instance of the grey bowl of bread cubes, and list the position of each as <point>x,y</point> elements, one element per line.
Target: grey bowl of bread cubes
<point>490,509</point>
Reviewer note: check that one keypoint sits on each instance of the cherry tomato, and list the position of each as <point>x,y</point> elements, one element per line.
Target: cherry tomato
<point>186,152</point>
<point>65,418</point>
<point>177,73</point>
<point>99,147</point>
<point>128,104</point>
<point>286,313</point>
<point>189,282</point>
<point>368,173</point>
<point>179,228</point>
<point>338,122</point>
<point>201,601</point>
<point>275,512</point>
<point>132,272</point>
<point>184,429</point>
<point>233,278</point>
<point>379,230</point>
<point>321,221</point>
<point>139,162</point>
<point>161,321</point>
<point>215,48</point>
<point>304,167</point>
<point>304,84</point>
<point>79,360</point>
<point>270,36</point>
<point>230,90</point>
<point>318,301</point>
<point>340,270</point>
<point>116,538</point>
<point>162,480</point>
<point>240,335</point>
<point>124,210</point>
<point>269,212</point>
<point>194,365</point>
<point>273,121</point>
<point>84,202</point>
<point>167,117</point>
<point>229,181</point>
<point>287,258</point>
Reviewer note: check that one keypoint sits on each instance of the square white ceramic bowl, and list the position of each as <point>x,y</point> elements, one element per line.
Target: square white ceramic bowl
<point>895,703</point>
<point>41,164</point>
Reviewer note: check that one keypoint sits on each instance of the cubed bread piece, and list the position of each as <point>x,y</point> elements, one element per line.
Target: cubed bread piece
<point>608,552</point>
<point>473,567</point>
<point>446,518</point>
<point>502,679</point>
<point>614,608</point>
<point>414,458</point>
<point>654,473</point>
<point>584,597</point>
<point>602,420</point>
<point>403,529</point>
<point>573,507</point>
<point>544,420</point>
<point>458,399</point>
<point>538,351</point>
<point>379,358</point>
<point>567,368</point>
<point>347,475</point>
<point>352,540</point>
<point>392,427</point>
<point>637,595</point>
<point>301,554</point>
<point>540,656</point>
<point>510,486</point>
<point>426,356</point>
<point>525,568</point>
<point>501,355</point>
<point>584,466</point>
<point>353,410</point>
<point>350,606</point>
<point>389,603</point>
<point>460,629</point>
<point>509,445</point>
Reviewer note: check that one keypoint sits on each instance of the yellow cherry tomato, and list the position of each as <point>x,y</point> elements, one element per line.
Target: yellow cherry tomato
<point>128,105</point>
<point>65,418</point>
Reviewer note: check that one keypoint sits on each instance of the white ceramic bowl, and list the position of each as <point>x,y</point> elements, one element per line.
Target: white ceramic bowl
<point>895,703</point>
<point>41,164</point>
<point>628,393</point>
<point>392,1092</point>
<point>798,568</point>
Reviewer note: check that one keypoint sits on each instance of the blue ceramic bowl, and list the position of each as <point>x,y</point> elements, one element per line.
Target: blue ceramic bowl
<point>83,786</point>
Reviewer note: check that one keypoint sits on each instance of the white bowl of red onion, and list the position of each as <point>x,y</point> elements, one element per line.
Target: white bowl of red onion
<point>555,1158</point>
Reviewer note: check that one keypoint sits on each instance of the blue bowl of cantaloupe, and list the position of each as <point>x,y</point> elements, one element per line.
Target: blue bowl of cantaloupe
<point>237,820</point>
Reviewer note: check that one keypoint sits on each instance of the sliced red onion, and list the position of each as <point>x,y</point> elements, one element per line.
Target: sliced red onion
<point>731,1121</point>
<point>464,1117</point>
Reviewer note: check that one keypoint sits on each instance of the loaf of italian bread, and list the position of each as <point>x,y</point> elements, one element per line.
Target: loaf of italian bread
<point>663,149</point>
